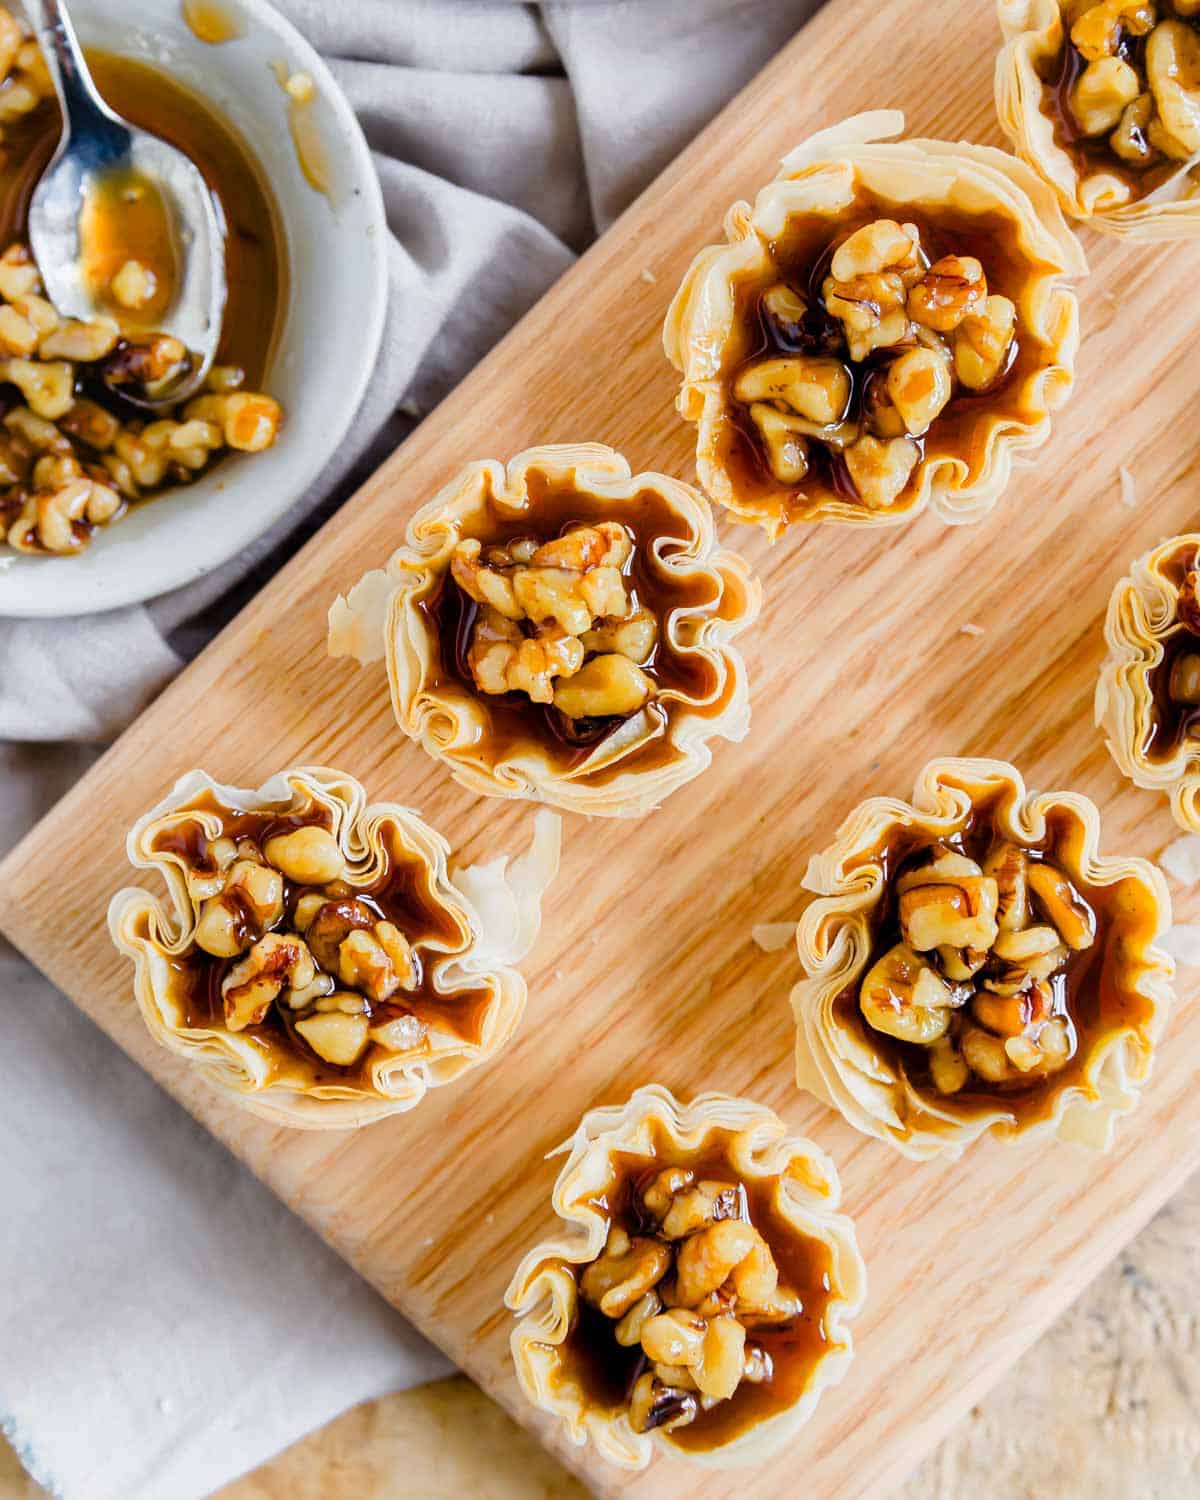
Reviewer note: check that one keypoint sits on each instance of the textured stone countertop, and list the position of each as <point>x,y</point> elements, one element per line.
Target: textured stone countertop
<point>1105,1407</point>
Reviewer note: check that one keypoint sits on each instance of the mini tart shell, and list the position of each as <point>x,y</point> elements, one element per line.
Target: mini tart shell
<point>821,177</point>
<point>1142,611</point>
<point>1033,33</point>
<point>496,909</point>
<point>382,616</point>
<point>544,1293</point>
<point>839,1064</point>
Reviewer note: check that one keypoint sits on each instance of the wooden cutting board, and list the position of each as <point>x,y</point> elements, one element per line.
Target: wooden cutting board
<point>646,969</point>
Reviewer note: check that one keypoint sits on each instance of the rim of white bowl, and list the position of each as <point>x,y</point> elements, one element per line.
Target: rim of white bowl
<point>119,587</point>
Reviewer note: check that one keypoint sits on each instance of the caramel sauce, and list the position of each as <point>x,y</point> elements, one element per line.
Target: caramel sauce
<point>801,259</point>
<point>1093,154</point>
<point>256,262</point>
<point>312,154</point>
<point>125,218</point>
<point>606,1372</point>
<point>1094,991</point>
<point>513,719</point>
<point>403,895</point>
<point>212,22</point>
<point>1172,722</point>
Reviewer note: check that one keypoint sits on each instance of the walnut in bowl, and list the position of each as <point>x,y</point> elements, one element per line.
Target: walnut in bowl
<point>76,450</point>
<point>1102,98</point>
<point>317,959</point>
<point>559,629</point>
<point>974,963</point>
<point>1148,694</point>
<point>697,1298</point>
<point>886,328</point>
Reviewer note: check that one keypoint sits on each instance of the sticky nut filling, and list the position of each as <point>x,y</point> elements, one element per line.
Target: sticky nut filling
<point>978,976</point>
<point>295,936</point>
<point>68,463</point>
<point>558,622</point>
<point>1128,79</point>
<point>873,361</point>
<point>24,80</point>
<point>1175,681</point>
<point>688,1290</point>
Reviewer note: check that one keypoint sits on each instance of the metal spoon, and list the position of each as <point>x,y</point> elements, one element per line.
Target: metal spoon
<point>96,141</point>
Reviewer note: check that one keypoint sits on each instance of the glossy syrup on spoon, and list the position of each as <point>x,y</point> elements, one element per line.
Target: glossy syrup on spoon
<point>110,190</point>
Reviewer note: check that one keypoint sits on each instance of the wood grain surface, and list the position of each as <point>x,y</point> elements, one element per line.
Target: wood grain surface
<point>645,969</point>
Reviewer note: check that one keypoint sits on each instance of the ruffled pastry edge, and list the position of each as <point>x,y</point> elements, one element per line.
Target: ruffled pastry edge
<point>496,907</point>
<point>543,1292</point>
<point>381,616</point>
<point>818,176</point>
<point>833,940</point>
<point>1141,610</point>
<point>1032,31</point>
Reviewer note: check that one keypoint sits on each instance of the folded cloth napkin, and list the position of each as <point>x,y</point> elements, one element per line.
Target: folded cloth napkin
<point>505,136</point>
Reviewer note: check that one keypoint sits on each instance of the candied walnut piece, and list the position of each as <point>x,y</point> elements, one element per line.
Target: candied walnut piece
<point>679,1298</point>
<point>881,468</point>
<point>904,996</point>
<point>814,388</point>
<point>274,963</point>
<point>919,387</point>
<point>984,343</point>
<point>624,1273</point>
<point>134,285</point>
<point>308,855</point>
<point>338,1038</point>
<point>952,289</point>
<point>1173,72</point>
<point>604,686</point>
<point>976,959</point>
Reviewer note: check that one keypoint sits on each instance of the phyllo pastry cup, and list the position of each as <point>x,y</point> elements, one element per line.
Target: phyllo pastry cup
<point>974,963</point>
<point>1148,695</point>
<point>315,957</point>
<point>559,629</point>
<point>697,1296</point>
<point>885,328</point>
<point>1102,99</point>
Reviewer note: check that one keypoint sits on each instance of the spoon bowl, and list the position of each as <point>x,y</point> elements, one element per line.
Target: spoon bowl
<point>96,144</point>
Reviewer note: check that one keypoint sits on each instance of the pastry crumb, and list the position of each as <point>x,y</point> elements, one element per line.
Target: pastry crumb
<point>649,277</point>
<point>1181,859</point>
<point>1182,942</point>
<point>1128,488</point>
<point>409,408</point>
<point>970,628</point>
<point>772,937</point>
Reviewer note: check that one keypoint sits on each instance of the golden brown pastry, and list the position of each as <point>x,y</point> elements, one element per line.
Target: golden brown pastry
<point>1148,695</point>
<point>974,963</point>
<point>696,1297</point>
<point>1102,98</point>
<point>317,959</point>
<point>560,629</point>
<point>885,328</point>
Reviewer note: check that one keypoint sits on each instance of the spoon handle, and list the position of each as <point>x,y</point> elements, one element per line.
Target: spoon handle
<point>84,111</point>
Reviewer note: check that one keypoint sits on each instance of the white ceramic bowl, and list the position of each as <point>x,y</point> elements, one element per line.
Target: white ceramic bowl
<point>332,324</point>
